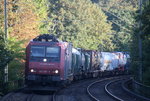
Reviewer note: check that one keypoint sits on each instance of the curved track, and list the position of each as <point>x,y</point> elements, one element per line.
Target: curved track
<point>83,90</point>
<point>75,92</point>
<point>96,90</point>
<point>79,90</point>
<point>109,89</point>
<point>114,89</point>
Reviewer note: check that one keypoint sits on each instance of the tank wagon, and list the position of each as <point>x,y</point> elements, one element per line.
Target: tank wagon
<point>53,62</point>
<point>94,69</point>
<point>121,59</point>
<point>116,62</point>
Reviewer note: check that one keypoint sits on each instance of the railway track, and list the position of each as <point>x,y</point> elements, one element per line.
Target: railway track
<point>12,95</point>
<point>96,90</point>
<point>110,93</point>
<point>75,92</point>
<point>83,90</point>
<point>54,96</point>
<point>109,89</point>
<point>16,97</point>
<point>78,91</point>
<point>28,96</point>
<point>114,89</point>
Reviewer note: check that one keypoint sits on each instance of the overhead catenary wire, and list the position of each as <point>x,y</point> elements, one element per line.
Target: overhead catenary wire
<point>118,17</point>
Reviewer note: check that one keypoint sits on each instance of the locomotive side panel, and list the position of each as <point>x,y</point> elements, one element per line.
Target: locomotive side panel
<point>68,69</point>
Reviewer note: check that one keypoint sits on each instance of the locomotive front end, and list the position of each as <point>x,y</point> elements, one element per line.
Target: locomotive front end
<point>45,62</point>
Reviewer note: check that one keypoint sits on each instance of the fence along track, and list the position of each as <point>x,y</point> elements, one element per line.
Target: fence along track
<point>131,92</point>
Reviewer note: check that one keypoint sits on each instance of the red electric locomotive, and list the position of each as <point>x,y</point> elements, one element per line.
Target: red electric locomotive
<point>48,61</point>
<point>51,62</point>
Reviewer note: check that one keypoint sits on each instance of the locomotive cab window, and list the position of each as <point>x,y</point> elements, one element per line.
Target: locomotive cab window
<point>38,51</point>
<point>52,52</point>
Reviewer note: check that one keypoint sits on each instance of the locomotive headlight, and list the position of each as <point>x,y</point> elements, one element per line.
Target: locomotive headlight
<point>44,60</point>
<point>32,70</point>
<point>56,71</point>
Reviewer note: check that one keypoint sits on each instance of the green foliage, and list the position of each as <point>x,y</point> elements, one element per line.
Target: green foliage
<point>134,54</point>
<point>5,53</point>
<point>17,66</point>
<point>146,20</point>
<point>145,29</point>
<point>1,16</point>
<point>17,48</point>
<point>12,55</point>
<point>41,11</point>
<point>146,43</point>
<point>25,18</point>
<point>122,15</point>
<point>5,57</point>
<point>80,22</point>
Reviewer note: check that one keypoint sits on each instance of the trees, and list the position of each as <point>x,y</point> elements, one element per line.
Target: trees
<point>122,15</point>
<point>5,57</point>
<point>80,22</point>
<point>5,53</point>
<point>145,20</point>
<point>26,18</point>
<point>146,43</point>
<point>41,8</point>
<point>24,22</point>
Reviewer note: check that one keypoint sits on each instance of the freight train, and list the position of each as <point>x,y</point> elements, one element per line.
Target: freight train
<point>53,62</point>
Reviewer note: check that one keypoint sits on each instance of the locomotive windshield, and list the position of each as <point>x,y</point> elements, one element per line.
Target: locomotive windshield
<point>52,54</point>
<point>38,51</point>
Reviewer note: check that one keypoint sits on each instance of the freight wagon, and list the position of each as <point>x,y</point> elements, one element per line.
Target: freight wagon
<point>53,62</point>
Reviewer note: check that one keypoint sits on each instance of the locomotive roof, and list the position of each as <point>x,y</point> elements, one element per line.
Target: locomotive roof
<point>49,42</point>
<point>46,38</point>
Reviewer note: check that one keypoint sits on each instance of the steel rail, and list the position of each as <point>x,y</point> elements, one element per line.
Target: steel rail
<point>106,89</point>
<point>54,95</point>
<point>11,94</point>
<point>88,88</point>
<point>29,97</point>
